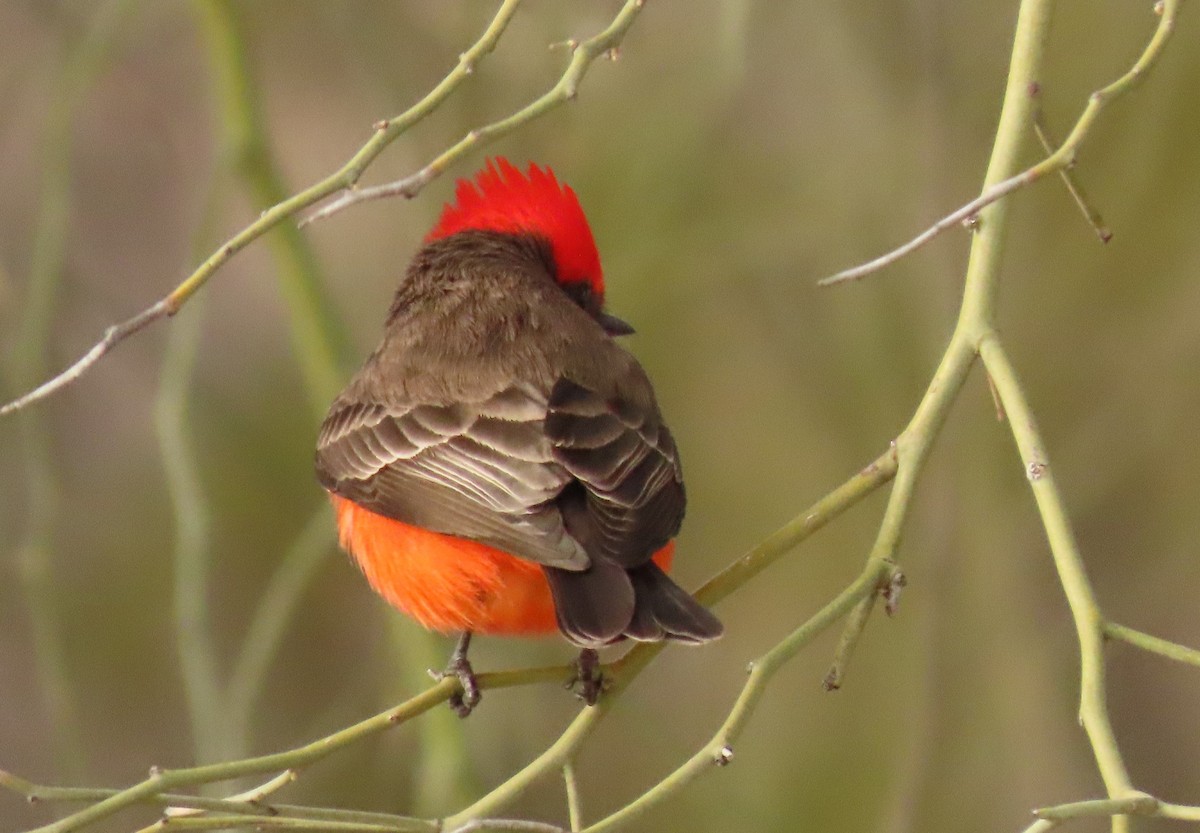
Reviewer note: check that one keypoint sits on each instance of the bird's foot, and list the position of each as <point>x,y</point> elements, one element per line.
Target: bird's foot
<point>464,701</point>
<point>588,681</point>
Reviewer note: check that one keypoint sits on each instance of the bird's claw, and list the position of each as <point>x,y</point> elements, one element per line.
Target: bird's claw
<point>464,701</point>
<point>588,681</point>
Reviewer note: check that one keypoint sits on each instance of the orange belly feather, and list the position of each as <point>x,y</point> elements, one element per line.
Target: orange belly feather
<point>451,584</point>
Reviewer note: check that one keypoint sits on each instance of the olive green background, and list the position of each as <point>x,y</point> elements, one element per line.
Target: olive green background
<point>733,155</point>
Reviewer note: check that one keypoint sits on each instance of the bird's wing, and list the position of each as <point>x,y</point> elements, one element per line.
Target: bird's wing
<point>479,470</point>
<point>630,498</point>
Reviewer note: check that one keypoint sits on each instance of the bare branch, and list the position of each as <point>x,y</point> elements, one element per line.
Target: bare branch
<point>515,825</point>
<point>962,215</point>
<point>1060,160</point>
<point>1076,191</point>
<point>112,337</point>
<point>582,56</point>
<point>345,177</point>
<point>1153,644</point>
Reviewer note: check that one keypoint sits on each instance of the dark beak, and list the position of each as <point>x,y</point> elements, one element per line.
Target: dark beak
<point>614,326</point>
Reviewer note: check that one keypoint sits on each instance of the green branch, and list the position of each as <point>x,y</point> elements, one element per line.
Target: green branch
<point>1089,625</point>
<point>150,790</point>
<point>574,803</point>
<point>346,177</point>
<point>177,805</point>
<point>156,790</point>
<point>719,751</point>
<point>583,55</point>
<point>1061,160</point>
<point>1153,644</point>
<point>621,673</point>
<point>973,335</point>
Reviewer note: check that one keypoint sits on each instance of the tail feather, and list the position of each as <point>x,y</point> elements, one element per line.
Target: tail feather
<point>607,603</point>
<point>593,605</point>
<point>664,610</point>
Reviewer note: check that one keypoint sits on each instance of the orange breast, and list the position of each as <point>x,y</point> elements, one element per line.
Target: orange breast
<point>450,584</point>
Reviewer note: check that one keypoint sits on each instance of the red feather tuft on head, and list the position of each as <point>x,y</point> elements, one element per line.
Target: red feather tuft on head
<point>503,199</point>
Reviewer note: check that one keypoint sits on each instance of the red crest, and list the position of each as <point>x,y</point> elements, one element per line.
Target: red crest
<point>503,199</point>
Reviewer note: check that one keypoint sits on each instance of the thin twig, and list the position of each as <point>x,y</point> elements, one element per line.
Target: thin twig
<point>113,336</point>
<point>515,825</point>
<point>260,822</point>
<point>1153,644</point>
<point>1069,180</point>
<point>878,472</point>
<point>245,803</point>
<point>1180,812</point>
<point>574,807</point>
<point>1061,159</point>
<point>582,56</point>
<point>1139,804</point>
<point>345,177</point>
<point>250,798</point>
<point>955,218</point>
<point>1134,804</point>
<point>857,621</point>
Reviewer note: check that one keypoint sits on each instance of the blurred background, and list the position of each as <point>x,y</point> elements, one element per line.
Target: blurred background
<point>161,515</point>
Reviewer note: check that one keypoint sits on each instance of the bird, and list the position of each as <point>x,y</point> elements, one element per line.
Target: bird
<point>499,464</point>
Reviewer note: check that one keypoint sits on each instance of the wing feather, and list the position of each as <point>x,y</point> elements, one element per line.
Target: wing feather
<point>481,470</point>
<point>626,460</point>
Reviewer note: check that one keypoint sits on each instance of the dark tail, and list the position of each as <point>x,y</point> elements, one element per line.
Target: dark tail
<point>607,603</point>
<point>664,610</point>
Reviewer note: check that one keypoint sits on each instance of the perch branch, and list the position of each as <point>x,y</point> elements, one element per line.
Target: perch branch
<point>624,670</point>
<point>161,781</point>
<point>156,788</point>
<point>719,751</point>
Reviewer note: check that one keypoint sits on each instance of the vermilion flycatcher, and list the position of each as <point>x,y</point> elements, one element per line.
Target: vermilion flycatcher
<point>499,464</point>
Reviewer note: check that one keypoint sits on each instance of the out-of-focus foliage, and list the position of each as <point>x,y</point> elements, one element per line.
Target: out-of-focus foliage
<point>734,154</point>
